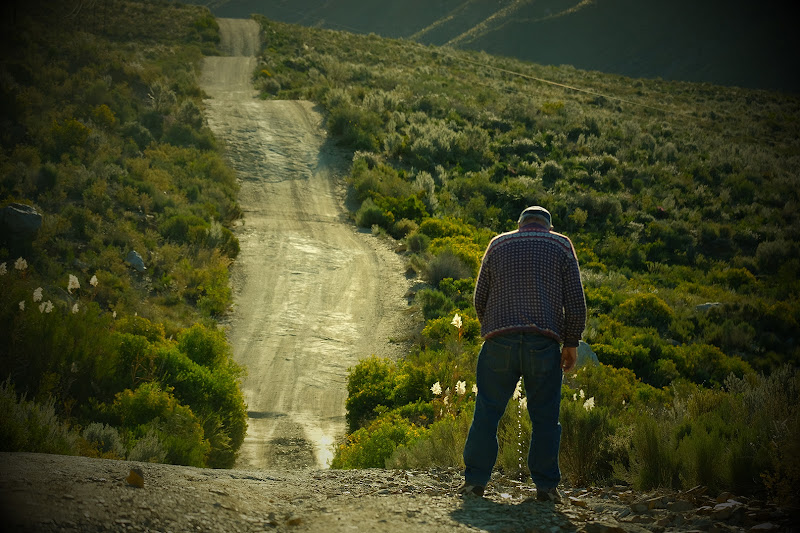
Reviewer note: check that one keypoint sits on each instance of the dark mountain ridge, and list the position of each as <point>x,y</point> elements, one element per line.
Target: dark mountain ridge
<point>737,43</point>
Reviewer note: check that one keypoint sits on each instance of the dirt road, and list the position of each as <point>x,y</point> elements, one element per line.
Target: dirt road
<point>312,294</point>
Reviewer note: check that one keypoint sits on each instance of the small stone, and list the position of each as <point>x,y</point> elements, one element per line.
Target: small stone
<point>655,503</point>
<point>135,478</point>
<point>577,502</point>
<point>294,521</point>
<point>723,511</point>
<point>764,526</point>
<point>603,527</point>
<point>639,507</point>
<point>680,506</point>
<point>724,497</point>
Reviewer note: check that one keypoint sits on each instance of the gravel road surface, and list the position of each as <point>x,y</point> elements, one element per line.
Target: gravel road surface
<point>313,295</point>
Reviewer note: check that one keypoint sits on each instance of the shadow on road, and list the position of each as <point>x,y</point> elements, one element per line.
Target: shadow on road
<point>493,516</point>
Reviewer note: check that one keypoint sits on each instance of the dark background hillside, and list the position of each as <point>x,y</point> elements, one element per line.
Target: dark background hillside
<point>738,43</point>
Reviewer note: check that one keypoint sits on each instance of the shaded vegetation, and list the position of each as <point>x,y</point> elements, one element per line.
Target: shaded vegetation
<point>681,201</point>
<point>104,136</point>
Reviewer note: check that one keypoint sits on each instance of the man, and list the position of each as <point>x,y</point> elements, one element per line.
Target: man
<point>529,300</point>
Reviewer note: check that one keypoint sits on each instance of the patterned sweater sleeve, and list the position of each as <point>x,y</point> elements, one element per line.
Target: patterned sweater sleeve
<point>574,300</point>
<point>482,287</point>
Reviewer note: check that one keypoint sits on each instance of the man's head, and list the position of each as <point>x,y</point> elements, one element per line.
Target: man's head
<point>536,214</point>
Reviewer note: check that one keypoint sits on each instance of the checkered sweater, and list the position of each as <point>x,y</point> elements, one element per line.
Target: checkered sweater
<point>530,282</point>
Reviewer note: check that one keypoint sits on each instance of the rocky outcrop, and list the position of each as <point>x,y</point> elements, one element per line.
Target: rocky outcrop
<point>586,355</point>
<point>19,224</point>
<point>135,260</point>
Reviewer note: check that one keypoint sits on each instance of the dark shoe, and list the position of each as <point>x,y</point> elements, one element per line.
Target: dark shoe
<point>469,488</point>
<point>548,495</point>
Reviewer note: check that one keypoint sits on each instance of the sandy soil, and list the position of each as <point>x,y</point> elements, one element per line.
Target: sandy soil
<point>312,294</point>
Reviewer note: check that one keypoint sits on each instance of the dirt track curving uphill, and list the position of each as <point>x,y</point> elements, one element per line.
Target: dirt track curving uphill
<point>312,294</point>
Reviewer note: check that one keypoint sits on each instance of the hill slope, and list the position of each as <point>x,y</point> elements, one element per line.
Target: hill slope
<point>736,43</point>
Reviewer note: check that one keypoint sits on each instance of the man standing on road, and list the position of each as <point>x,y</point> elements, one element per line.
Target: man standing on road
<point>529,299</point>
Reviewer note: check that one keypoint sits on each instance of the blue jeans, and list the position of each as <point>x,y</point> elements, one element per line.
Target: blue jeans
<point>501,362</point>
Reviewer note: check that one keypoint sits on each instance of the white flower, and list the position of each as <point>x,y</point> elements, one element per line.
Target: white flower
<point>114,314</point>
<point>582,395</point>
<point>75,308</point>
<point>3,269</point>
<point>575,397</point>
<point>589,404</point>
<point>22,305</point>
<point>523,403</point>
<point>461,388</point>
<point>93,281</point>
<point>20,264</point>
<point>518,390</point>
<point>436,389</point>
<point>46,307</point>
<point>623,401</point>
<point>475,389</point>
<point>37,295</point>
<point>445,400</point>
<point>457,321</point>
<point>73,284</point>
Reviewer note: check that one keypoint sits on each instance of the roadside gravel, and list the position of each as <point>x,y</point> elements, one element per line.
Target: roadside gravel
<point>60,493</point>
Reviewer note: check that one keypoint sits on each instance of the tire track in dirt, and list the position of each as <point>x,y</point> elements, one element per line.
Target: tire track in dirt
<point>312,295</point>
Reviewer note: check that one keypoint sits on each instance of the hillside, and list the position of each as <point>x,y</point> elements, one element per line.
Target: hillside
<point>680,198</point>
<point>737,43</point>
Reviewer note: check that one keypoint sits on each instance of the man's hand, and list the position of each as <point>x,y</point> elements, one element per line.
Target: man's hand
<point>569,356</point>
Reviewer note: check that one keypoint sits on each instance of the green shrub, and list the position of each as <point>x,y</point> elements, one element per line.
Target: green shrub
<point>551,173</point>
<point>373,445</point>
<point>585,456</point>
<point>26,426</point>
<point>446,265</point>
<point>653,457</point>
<point>418,242</point>
<point>149,408</point>
<point>358,128</point>
<point>646,310</point>
<point>148,449</point>
<point>404,228</point>
<point>438,330</point>
<point>205,346</point>
<point>409,207</point>
<point>436,228</point>
<point>434,303</point>
<point>212,392</point>
<point>369,215</point>
<point>105,439</point>
<point>464,248</point>
<point>369,385</point>
<point>441,445</point>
